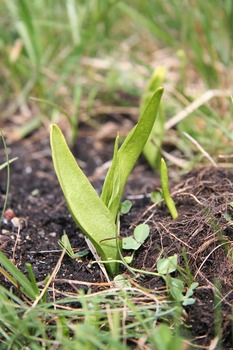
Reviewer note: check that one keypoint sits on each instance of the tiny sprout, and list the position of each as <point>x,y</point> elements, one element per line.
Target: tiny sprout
<point>125,206</point>
<point>156,197</point>
<point>167,265</point>
<point>64,243</point>
<point>175,286</point>
<point>165,188</point>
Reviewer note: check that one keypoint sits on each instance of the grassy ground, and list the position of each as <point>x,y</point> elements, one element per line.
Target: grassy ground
<point>93,56</point>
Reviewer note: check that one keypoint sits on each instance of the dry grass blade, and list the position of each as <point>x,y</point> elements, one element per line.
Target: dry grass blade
<point>208,95</point>
<point>201,149</point>
<point>51,278</point>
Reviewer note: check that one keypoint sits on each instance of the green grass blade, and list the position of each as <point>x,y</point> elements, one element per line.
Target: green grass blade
<point>130,150</point>
<point>32,278</point>
<point>87,209</point>
<point>7,163</point>
<point>28,31</point>
<point>143,20</point>
<point>4,165</point>
<point>23,282</point>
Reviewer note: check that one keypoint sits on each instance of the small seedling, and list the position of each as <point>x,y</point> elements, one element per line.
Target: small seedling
<point>97,216</point>
<point>165,188</point>
<point>121,281</point>
<point>64,243</point>
<point>167,265</point>
<point>176,289</point>
<point>176,286</point>
<point>156,197</point>
<point>141,232</point>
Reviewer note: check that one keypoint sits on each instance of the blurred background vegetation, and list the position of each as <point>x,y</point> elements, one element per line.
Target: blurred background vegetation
<point>71,61</point>
<point>90,57</point>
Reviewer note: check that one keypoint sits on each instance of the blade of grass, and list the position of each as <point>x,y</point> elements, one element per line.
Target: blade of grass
<point>8,176</point>
<point>23,283</point>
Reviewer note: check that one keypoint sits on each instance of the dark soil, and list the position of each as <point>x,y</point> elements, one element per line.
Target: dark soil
<point>203,228</point>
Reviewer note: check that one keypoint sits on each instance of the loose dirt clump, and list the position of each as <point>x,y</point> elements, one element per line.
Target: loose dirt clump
<point>202,235</point>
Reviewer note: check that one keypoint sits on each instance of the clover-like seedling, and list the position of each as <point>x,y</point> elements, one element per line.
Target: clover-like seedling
<point>176,288</point>
<point>97,216</point>
<point>141,232</point>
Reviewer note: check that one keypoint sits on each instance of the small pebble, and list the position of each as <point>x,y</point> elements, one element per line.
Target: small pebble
<point>28,170</point>
<point>35,192</point>
<point>41,233</point>
<point>53,234</point>
<point>8,215</point>
<point>5,232</point>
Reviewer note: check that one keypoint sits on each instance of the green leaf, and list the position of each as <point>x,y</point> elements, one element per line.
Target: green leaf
<point>156,197</point>
<point>125,206</point>
<point>121,281</point>
<point>165,188</point>
<point>190,291</point>
<point>165,339</point>
<point>125,159</point>
<point>176,288</point>
<point>81,254</point>
<point>8,310</point>
<point>188,301</point>
<point>152,147</point>
<point>110,194</point>
<point>130,243</point>
<point>167,265</point>
<point>141,232</point>
<point>128,259</point>
<point>32,278</point>
<point>87,209</point>
<point>64,243</point>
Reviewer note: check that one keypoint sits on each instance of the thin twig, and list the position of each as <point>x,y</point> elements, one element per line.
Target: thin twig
<point>201,149</point>
<point>51,278</point>
<point>207,257</point>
